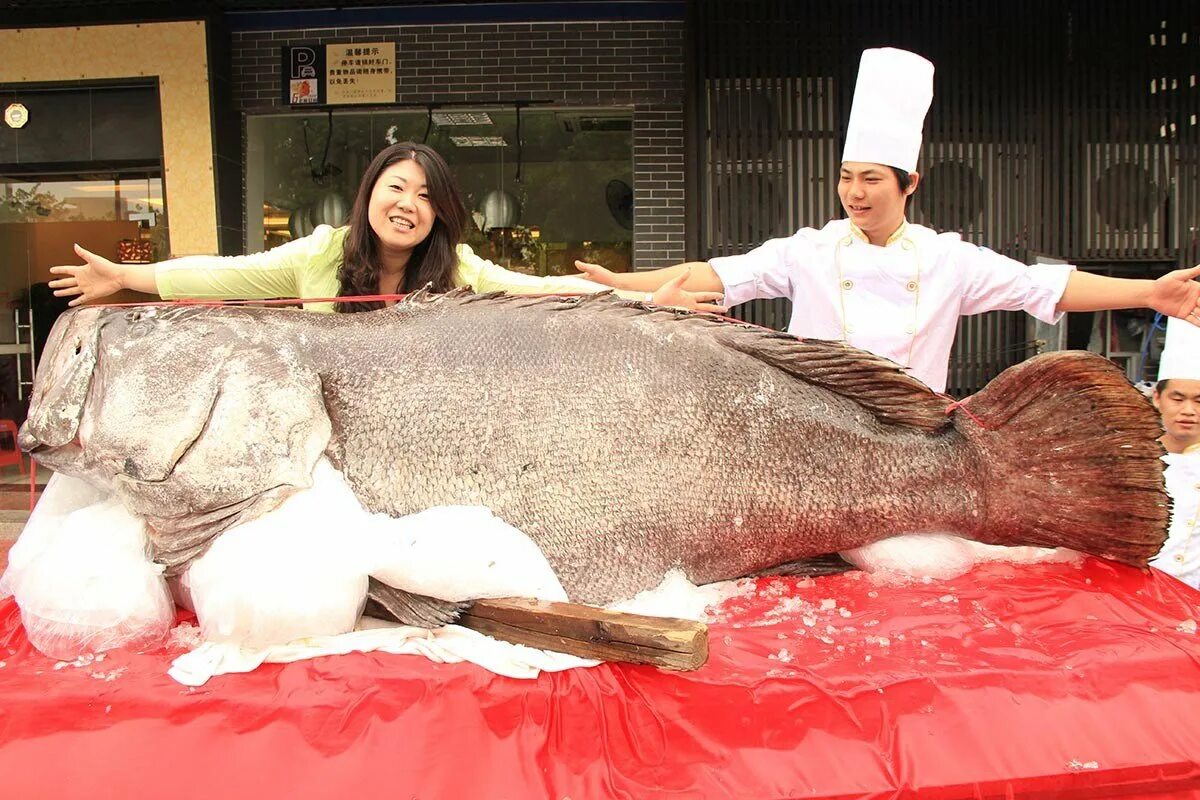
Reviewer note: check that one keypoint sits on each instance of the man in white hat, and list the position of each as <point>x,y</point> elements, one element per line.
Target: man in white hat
<point>1177,397</point>
<point>885,285</point>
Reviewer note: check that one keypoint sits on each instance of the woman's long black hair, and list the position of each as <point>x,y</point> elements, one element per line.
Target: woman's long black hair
<point>433,261</point>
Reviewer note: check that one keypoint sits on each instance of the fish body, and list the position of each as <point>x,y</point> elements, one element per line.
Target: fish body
<point>624,440</point>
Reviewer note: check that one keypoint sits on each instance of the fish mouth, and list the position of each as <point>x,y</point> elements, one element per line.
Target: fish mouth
<point>28,442</point>
<point>66,458</point>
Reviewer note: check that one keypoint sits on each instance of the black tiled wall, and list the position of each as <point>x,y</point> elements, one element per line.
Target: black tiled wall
<point>638,64</point>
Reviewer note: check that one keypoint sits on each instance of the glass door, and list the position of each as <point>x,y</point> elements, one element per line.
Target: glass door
<point>119,215</point>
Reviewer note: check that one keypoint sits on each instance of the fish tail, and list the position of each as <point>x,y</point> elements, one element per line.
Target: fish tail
<point>1070,458</point>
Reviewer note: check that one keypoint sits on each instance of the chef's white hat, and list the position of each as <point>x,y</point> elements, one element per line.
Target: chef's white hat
<point>891,98</point>
<point>1181,353</point>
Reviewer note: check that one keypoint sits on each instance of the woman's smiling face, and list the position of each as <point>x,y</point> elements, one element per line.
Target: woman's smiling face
<point>400,212</point>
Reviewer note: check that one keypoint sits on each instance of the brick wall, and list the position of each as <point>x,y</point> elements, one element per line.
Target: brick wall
<point>638,64</point>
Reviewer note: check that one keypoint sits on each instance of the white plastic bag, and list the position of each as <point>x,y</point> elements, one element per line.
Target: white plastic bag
<point>461,553</point>
<point>82,578</point>
<point>61,495</point>
<point>301,570</point>
<point>298,571</point>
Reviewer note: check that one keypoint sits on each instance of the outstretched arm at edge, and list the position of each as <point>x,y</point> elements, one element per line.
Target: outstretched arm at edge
<point>703,277</point>
<point>1175,294</point>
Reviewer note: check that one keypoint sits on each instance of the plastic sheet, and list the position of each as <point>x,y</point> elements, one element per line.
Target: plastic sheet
<point>1046,680</point>
<point>82,576</point>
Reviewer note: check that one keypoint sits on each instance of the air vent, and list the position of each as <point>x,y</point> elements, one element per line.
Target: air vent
<point>452,118</point>
<point>985,191</point>
<point>1129,201</point>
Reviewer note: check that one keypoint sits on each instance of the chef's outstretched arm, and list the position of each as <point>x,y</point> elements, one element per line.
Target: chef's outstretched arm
<point>701,277</point>
<point>1176,294</point>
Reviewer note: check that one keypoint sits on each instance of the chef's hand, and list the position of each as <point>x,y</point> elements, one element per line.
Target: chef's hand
<point>1177,294</point>
<point>672,293</point>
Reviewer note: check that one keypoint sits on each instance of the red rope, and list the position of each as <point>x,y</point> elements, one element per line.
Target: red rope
<point>365,298</point>
<point>285,301</point>
<point>961,405</point>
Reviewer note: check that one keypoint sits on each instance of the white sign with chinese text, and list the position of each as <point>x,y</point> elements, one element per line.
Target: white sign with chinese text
<point>360,73</point>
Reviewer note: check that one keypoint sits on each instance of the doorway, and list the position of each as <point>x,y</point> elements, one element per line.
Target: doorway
<point>119,214</point>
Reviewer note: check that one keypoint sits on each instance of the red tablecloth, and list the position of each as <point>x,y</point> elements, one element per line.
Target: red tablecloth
<point>1052,680</point>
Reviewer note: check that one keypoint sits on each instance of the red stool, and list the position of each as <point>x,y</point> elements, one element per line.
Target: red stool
<point>10,454</point>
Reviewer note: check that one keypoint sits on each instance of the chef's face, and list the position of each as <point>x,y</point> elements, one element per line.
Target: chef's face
<point>873,199</point>
<point>1179,403</point>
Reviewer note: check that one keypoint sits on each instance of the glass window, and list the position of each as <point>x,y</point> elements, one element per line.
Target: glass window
<point>564,193</point>
<point>117,214</point>
<point>111,197</point>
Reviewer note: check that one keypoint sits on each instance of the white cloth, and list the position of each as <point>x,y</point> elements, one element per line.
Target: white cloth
<point>1180,555</point>
<point>891,97</point>
<point>1181,352</point>
<point>451,644</point>
<point>901,301</point>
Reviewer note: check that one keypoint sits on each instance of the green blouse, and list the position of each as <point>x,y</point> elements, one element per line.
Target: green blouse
<point>308,267</point>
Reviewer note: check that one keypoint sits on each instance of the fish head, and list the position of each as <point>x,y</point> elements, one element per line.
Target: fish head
<point>62,381</point>
<point>197,417</point>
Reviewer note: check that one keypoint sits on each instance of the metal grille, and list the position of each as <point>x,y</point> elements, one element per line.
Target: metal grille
<point>1063,128</point>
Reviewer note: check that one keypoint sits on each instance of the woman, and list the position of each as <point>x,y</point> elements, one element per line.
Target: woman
<point>404,232</point>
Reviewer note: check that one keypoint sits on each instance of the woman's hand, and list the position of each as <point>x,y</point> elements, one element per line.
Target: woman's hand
<point>598,274</point>
<point>1177,294</point>
<point>97,277</point>
<point>672,293</point>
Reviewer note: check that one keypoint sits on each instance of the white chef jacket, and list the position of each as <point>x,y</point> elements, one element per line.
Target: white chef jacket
<point>901,300</point>
<point>1180,555</point>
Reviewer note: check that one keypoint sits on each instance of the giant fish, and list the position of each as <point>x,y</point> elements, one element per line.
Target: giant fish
<point>623,439</point>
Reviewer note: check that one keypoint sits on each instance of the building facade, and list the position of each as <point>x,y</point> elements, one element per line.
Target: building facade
<point>636,134</point>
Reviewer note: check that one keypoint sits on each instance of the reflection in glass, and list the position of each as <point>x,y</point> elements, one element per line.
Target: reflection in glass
<point>119,215</point>
<point>83,198</point>
<point>563,194</point>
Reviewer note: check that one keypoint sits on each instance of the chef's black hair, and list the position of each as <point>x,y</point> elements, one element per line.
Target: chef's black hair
<point>904,179</point>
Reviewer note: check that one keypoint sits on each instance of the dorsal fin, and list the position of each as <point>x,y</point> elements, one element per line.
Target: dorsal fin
<point>873,382</point>
<point>880,386</point>
<point>426,295</point>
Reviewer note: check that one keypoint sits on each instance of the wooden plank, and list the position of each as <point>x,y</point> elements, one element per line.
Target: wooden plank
<point>591,632</point>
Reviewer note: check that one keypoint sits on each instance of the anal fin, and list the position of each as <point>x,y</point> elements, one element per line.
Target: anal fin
<point>387,602</point>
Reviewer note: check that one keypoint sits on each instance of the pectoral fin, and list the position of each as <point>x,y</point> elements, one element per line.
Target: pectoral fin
<point>828,564</point>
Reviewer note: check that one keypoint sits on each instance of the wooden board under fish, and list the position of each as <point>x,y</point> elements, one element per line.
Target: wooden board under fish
<point>590,632</point>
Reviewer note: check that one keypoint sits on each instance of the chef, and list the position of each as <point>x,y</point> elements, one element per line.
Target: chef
<point>882,284</point>
<point>1177,397</point>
